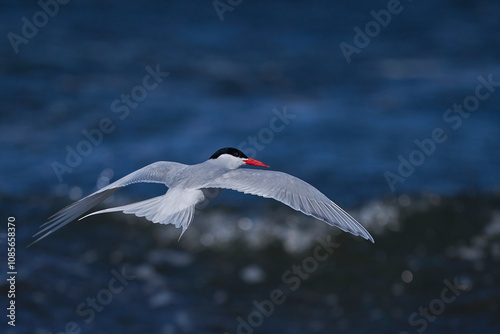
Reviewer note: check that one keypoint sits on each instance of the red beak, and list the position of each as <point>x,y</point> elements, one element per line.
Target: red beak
<point>254,162</point>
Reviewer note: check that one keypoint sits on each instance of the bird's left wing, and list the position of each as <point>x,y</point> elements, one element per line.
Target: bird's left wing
<point>291,191</point>
<point>159,172</point>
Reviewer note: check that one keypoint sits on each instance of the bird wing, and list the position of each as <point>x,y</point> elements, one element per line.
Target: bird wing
<point>291,191</point>
<point>159,172</point>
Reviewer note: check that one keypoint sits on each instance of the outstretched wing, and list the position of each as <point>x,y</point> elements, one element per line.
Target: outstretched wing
<point>291,191</point>
<point>159,172</point>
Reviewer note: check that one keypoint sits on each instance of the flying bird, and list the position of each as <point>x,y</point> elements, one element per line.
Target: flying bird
<point>189,185</point>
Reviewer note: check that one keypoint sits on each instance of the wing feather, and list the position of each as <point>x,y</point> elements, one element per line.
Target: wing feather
<point>294,192</point>
<point>159,172</point>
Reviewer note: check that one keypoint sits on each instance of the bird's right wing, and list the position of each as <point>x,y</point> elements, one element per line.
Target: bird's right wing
<point>158,172</point>
<point>291,191</point>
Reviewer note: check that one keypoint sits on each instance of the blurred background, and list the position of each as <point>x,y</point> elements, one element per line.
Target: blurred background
<point>389,108</point>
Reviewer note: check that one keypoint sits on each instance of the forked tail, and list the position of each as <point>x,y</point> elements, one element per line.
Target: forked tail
<point>166,209</point>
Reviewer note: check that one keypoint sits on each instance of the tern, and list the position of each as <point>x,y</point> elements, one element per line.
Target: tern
<point>189,185</point>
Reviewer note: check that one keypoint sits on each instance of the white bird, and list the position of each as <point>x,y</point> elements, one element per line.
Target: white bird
<point>189,186</point>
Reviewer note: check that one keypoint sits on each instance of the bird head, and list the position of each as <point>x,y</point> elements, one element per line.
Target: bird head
<point>234,158</point>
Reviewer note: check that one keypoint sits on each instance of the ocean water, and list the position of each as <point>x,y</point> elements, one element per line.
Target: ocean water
<point>398,124</point>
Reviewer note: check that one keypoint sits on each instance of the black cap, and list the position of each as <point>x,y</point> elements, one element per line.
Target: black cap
<point>229,150</point>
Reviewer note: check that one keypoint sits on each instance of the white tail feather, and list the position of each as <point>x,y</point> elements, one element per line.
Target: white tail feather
<point>172,208</point>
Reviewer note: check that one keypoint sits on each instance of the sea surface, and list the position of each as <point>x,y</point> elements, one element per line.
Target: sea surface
<point>391,109</point>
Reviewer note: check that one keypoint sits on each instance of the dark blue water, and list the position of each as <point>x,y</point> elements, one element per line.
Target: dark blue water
<point>403,132</point>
